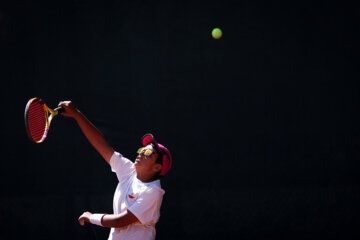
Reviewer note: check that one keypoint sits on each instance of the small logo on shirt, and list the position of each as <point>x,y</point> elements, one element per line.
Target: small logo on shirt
<point>131,196</point>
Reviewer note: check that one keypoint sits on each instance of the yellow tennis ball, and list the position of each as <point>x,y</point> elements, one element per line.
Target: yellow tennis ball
<point>216,33</point>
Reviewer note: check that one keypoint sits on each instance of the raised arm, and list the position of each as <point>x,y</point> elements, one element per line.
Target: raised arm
<point>95,137</point>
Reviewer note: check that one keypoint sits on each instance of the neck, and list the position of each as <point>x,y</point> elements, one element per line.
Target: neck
<point>145,177</point>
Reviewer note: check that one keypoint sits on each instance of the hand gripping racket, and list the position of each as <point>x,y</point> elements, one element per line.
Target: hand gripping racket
<point>38,117</point>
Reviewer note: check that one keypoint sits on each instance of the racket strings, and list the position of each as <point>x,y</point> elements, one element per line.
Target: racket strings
<point>37,121</point>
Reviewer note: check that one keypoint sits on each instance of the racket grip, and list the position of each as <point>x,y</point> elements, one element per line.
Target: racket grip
<point>59,109</point>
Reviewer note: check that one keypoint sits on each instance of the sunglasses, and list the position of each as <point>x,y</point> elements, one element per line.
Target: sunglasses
<point>147,152</point>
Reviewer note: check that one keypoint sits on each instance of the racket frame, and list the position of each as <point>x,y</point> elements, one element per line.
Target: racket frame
<point>48,118</point>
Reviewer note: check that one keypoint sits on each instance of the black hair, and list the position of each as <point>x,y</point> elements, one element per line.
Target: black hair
<point>158,160</point>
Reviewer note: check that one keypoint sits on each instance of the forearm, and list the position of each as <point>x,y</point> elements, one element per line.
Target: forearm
<point>94,136</point>
<point>109,220</point>
<point>116,220</point>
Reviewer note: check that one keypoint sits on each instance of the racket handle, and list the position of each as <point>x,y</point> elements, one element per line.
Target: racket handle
<point>59,109</point>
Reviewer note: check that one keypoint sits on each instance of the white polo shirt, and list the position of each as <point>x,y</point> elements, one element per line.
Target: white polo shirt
<point>142,199</point>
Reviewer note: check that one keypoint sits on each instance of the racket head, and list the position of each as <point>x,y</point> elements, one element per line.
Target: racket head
<point>36,120</point>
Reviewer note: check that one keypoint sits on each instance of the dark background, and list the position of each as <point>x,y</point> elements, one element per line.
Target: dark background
<point>263,124</point>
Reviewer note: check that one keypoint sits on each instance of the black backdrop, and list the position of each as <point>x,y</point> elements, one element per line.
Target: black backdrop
<point>263,124</point>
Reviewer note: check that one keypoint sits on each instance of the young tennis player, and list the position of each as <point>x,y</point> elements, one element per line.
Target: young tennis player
<point>138,196</point>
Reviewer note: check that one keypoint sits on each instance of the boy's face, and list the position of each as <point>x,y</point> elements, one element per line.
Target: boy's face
<point>146,160</point>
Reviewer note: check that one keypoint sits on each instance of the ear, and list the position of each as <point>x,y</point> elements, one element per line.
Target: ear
<point>157,167</point>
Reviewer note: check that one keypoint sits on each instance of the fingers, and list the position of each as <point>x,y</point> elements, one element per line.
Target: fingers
<point>85,217</point>
<point>70,110</point>
<point>65,104</point>
<point>81,221</point>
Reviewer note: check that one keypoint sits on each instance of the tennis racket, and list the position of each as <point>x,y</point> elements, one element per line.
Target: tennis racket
<point>38,117</point>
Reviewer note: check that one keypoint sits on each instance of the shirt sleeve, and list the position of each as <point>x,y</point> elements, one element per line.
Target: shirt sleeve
<point>147,206</point>
<point>121,165</point>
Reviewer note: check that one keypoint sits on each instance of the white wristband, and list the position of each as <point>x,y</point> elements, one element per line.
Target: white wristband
<point>96,218</point>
